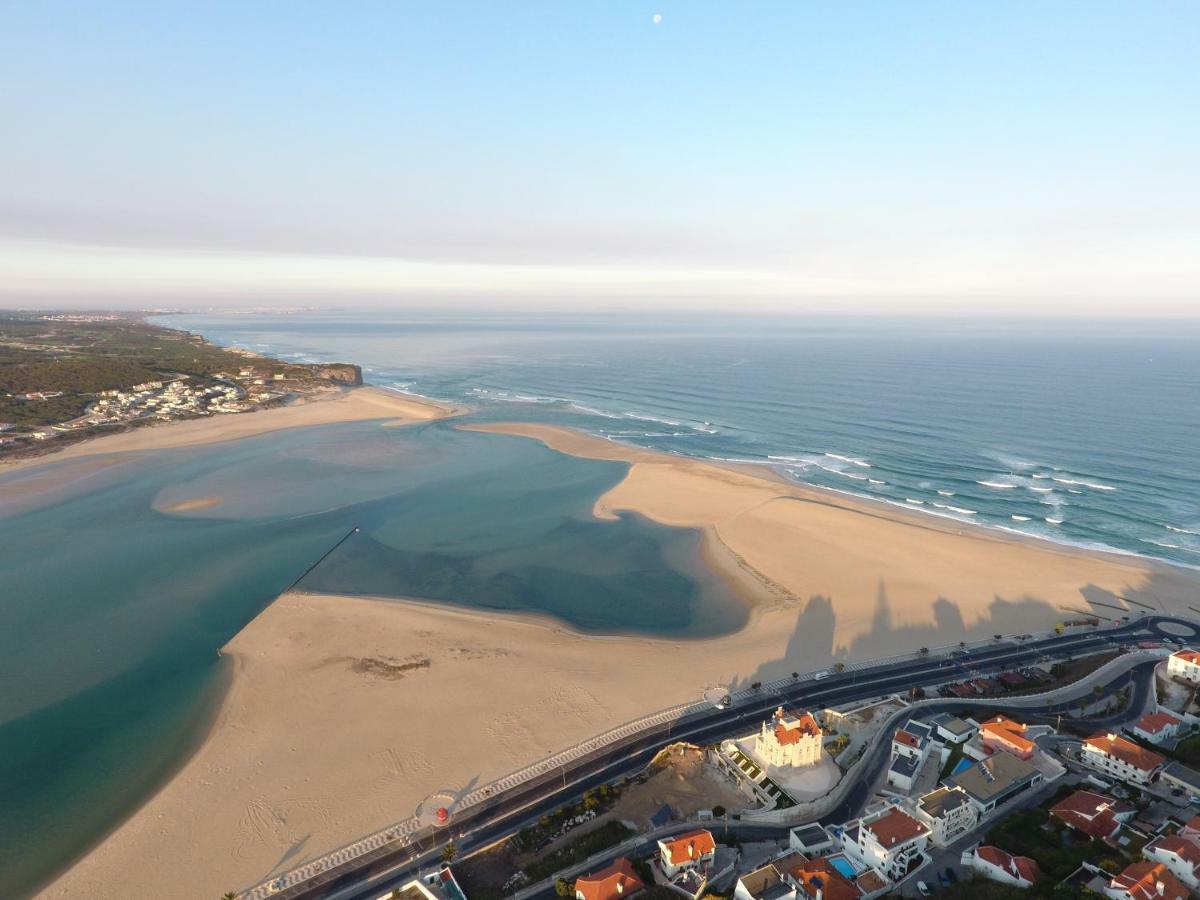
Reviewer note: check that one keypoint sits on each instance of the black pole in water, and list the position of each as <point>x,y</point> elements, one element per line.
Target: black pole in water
<point>324,556</point>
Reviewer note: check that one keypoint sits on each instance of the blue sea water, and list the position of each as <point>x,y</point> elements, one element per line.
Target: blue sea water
<point>1080,432</point>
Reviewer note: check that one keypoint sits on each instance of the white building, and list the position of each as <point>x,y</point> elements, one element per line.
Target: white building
<point>948,814</point>
<point>1121,758</point>
<point>1185,664</point>
<point>890,841</point>
<point>1179,854</point>
<point>693,850</point>
<point>996,864</point>
<point>789,740</point>
<point>1156,727</point>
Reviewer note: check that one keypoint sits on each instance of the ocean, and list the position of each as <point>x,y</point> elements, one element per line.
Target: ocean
<point>1084,433</point>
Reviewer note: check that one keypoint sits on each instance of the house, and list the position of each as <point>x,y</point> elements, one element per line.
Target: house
<point>1177,775</point>
<point>615,881</point>
<point>789,740</point>
<point>1179,854</point>
<point>764,883</point>
<point>998,865</point>
<point>891,841</point>
<point>817,879</point>
<point>1121,758</point>
<point>908,745</point>
<point>995,780</point>
<point>1002,733</point>
<point>1094,814</point>
<point>1146,881</point>
<point>948,814</point>
<point>440,885</point>
<point>951,729</point>
<point>1184,664</point>
<point>903,772</point>
<point>1156,727</point>
<point>811,839</point>
<point>693,850</point>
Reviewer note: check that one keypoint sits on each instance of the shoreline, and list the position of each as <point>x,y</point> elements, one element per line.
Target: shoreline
<point>577,442</point>
<point>334,722</point>
<point>40,479</point>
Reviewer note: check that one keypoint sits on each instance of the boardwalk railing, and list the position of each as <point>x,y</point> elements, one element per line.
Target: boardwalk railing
<point>403,833</point>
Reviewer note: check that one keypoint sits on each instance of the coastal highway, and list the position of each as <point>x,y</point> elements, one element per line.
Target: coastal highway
<point>372,874</point>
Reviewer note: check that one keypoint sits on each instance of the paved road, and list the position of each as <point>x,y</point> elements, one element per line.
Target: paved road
<point>371,875</point>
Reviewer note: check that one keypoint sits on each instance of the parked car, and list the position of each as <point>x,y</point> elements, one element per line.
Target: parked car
<point>923,889</point>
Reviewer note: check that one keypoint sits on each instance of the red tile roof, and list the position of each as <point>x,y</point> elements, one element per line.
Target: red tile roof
<point>690,846</point>
<point>909,740</point>
<point>1093,814</point>
<point>895,827</point>
<point>820,875</point>
<point>1153,723</point>
<point>1189,656</point>
<point>1125,750</point>
<point>1007,732</point>
<point>1018,866</point>
<point>614,882</point>
<point>803,726</point>
<point>870,881</point>
<point>1181,847</point>
<point>1141,879</point>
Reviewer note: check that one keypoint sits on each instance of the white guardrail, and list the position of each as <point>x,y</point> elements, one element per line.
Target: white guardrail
<point>401,832</point>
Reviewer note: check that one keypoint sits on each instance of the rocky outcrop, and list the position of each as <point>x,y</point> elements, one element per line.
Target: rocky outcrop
<point>339,373</point>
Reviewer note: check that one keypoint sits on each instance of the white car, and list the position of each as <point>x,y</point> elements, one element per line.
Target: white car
<point>820,675</point>
<point>923,889</point>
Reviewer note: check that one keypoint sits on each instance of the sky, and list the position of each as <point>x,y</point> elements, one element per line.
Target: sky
<point>1022,157</point>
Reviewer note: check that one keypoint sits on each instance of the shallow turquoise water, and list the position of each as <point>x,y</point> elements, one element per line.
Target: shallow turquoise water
<point>113,611</point>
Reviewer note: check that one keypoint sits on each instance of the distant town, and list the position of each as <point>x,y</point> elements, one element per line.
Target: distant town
<point>67,376</point>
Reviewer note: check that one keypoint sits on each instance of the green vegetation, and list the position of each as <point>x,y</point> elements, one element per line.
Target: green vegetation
<point>1057,851</point>
<point>1188,750</point>
<point>607,835</point>
<point>78,357</point>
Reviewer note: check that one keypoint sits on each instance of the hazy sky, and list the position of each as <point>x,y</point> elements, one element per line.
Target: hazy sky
<point>899,156</point>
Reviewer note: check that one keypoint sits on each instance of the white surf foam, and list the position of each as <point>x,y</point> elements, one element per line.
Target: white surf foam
<point>1042,490</point>
<point>1087,484</point>
<point>911,500</point>
<point>1017,518</point>
<point>997,485</point>
<point>861,463</point>
<point>1180,530</point>
<point>876,481</point>
<point>946,493</point>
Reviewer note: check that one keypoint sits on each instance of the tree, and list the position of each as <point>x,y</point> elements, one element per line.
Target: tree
<point>839,667</point>
<point>562,887</point>
<point>718,811</point>
<point>449,852</point>
<point>756,686</point>
<point>924,651</point>
<point>229,895</point>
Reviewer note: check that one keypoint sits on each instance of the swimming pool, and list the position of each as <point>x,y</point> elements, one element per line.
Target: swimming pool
<point>963,765</point>
<point>843,865</point>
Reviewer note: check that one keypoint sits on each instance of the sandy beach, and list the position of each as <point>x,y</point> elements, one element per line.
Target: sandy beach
<point>346,712</point>
<point>44,478</point>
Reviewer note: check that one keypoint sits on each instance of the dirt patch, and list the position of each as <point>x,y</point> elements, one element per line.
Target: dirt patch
<point>682,778</point>
<point>391,669</point>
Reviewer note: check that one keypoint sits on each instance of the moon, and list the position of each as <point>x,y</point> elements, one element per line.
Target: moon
<point>656,18</point>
